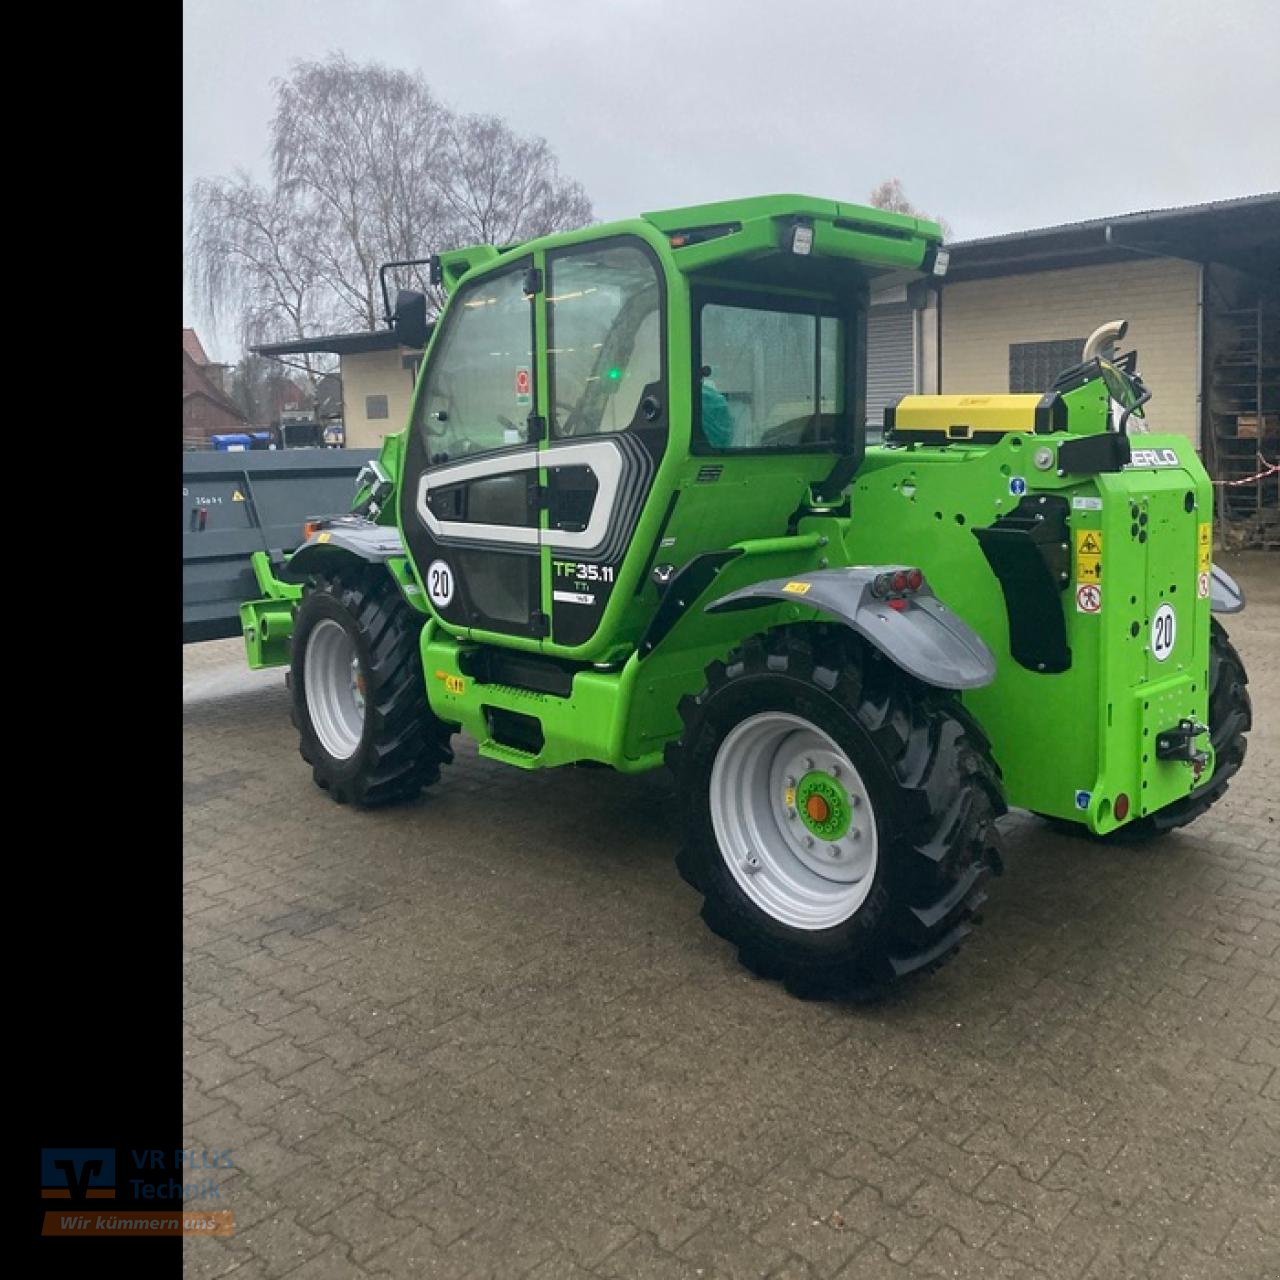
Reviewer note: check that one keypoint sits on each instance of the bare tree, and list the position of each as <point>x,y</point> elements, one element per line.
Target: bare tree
<point>250,253</point>
<point>497,187</point>
<point>891,197</point>
<point>359,147</point>
<point>367,166</point>
<point>259,384</point>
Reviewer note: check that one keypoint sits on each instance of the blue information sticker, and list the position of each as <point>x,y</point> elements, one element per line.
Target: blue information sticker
<point>1017,486</point>
<point>1083,799</point>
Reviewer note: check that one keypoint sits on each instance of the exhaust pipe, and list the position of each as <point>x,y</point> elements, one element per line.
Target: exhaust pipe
<point>1103,336</point>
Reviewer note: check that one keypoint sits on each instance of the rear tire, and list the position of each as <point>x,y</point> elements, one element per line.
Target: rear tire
<point>1230,718</point>
<point>905,787</point>
<point>359,700</point>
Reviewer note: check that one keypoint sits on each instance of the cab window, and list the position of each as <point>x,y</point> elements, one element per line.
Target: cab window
<point>769,375</point>
<point>479,382</point>
<point>604,339</point>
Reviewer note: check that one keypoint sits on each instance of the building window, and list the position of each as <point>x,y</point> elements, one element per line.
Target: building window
<point>411,363</point>
<point>375,407</point>
<point>1033,366</point>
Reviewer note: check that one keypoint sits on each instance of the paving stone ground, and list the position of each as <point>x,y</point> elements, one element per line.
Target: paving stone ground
<point>487,1035</point>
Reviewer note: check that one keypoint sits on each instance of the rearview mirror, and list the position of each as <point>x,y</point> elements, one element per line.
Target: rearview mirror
<point>409,320</point>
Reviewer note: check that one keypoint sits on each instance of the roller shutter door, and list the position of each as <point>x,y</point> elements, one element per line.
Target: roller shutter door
<point>890,359</point>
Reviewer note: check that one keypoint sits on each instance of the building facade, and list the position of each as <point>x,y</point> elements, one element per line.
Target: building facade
<point>377,375</point>
<point>1200,287</point>
<point>207,409</point>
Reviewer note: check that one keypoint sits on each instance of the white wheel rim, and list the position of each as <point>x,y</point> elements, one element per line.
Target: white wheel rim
<point>788,868</point>
<point>334,687</point>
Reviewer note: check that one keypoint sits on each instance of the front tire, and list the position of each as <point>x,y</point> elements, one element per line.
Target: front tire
<point>839,815</point>
<point>359,700</point>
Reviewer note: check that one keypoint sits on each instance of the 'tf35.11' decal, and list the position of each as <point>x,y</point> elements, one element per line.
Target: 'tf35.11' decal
<point>582,572</point>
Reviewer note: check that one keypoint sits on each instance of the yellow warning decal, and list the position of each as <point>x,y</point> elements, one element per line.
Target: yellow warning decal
<point>323,537</point>
<point>454,684</point>
<point>798,588</point>
<point>1204,547</point>
<point>1088,555</point>
<point>237,496</point>
<point>789,797</point>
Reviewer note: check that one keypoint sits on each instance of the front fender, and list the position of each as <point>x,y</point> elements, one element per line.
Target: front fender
<point>339,543</point>
<point>923,637</point>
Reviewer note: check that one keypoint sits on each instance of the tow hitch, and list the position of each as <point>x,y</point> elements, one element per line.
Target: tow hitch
<point>1180,744</point>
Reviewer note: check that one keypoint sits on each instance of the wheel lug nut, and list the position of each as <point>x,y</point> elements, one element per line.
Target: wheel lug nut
<point>808,763</point>
<point>808,842</point>
<point>836,850</point>
<point>835,770</point>
<point>791,814</point>
<point>790,781</point>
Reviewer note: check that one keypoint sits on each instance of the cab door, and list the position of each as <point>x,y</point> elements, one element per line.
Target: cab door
<point>470,502</point>
<point>606,421</point>
<point>530,457</point>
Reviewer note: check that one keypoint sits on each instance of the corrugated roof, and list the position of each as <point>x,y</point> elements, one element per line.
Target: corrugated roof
<point>1120,219</point>
<point>342,344</point>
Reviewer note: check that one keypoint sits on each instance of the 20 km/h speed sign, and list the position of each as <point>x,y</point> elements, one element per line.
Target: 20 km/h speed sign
<point>1164,631</point>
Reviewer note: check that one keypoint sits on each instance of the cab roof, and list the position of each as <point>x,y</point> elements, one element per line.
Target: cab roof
<point>700,236</point>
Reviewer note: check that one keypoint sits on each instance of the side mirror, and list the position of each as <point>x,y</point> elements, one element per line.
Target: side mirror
<point>409,320</point>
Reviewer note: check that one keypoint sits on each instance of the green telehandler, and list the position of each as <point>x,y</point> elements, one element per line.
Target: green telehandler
<point>633,520</point>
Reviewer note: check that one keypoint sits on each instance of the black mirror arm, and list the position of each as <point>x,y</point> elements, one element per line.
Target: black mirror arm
<point>1137,404</point>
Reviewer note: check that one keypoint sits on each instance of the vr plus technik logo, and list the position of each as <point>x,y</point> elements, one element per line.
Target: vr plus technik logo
<point>78,1173</point>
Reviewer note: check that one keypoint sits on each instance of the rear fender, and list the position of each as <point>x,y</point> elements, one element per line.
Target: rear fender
<point>1225,593</point>
<point>923,637</point>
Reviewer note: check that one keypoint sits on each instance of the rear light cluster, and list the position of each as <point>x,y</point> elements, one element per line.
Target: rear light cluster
<point>895,586</point>
<point>901,582</point>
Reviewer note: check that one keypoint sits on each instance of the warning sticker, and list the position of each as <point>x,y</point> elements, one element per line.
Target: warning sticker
<point>454,684</point>
<point>798,588</point>
<point>1089,598</point>
<point>1204,547</point>
<point>237,496</point>
<point>1088,555</point>
<point>789,797</point>
<point>1085,503</point>
<point>524,385</point>
<point>1202,585</point>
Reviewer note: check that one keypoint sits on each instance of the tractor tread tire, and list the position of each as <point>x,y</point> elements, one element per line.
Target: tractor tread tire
<point>404,744</point>
<point>937,840</point>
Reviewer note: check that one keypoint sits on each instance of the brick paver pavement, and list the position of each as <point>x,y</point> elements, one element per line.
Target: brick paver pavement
<point>487,1035</point>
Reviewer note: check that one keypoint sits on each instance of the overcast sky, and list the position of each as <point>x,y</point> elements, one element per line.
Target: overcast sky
<point>997,114</point>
